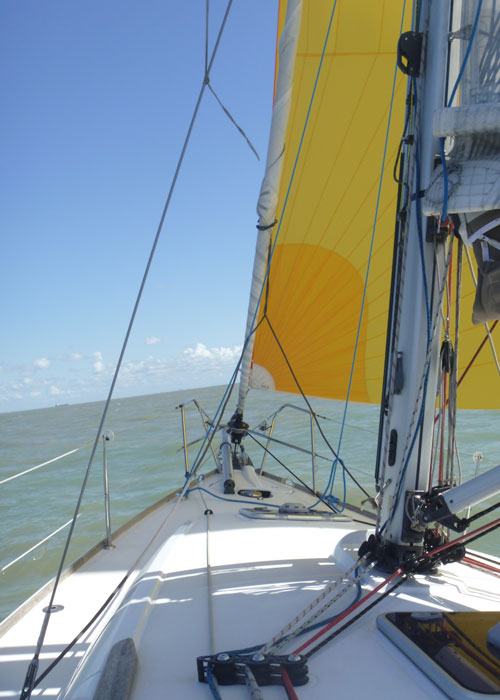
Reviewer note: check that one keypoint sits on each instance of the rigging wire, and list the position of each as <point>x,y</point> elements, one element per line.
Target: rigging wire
<point>278,222</point>
<point>38,466</point>
<point>306,400</point>
<point>273,245</point>
<point>331,481</point>
<point>488,329</point>
<point>217,419</point>
<point>292,473</point>
<point>232,119</point>
<point>33,667</point>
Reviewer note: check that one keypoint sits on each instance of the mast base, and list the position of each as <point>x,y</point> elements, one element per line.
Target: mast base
<point>389,556</point>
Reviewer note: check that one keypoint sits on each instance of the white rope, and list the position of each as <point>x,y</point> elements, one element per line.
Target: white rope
<point>300,617</point>
<point>251,683</point>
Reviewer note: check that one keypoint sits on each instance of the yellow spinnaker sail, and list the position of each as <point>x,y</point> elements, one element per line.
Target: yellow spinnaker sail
<point>326,210</point>
<point>319,265</point>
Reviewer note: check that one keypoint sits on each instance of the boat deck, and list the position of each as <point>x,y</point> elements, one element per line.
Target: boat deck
<point>260,574</point>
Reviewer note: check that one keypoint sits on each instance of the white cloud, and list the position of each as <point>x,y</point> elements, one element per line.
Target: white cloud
<point>199,351</point>
<point>202,352</point>
<point>98,365</point>
<point>42,363</point>
<point>152,340</point>
<point>195,366</point>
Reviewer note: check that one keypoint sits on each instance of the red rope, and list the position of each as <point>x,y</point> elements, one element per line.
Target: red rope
<point>481,564</point>
<point>399,571</point>
<point>287,683</point>
<point>458,540</point>
<point>349,610</point>
<point>444,404</point>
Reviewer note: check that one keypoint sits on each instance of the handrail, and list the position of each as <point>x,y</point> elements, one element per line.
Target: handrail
<point>31,549</point>
<point>106,437</point>
<point>207,422</point>
<point>38,466</point>
<point>312,452</point>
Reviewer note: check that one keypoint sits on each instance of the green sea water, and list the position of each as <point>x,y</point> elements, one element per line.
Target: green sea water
<point>145,463</point>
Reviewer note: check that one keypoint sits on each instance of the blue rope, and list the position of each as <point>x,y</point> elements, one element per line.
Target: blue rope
<point>327,621</point>
<point>420,241</point>
<point>467,53</point>
<point>230,500</point>
<point>299,149</point>
<point>211,684</point>
<point>252,327</point>
<point>304,129</point>
<point>327,494</point>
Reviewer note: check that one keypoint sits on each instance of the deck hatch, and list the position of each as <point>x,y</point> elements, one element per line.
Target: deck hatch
<point>451,648</point>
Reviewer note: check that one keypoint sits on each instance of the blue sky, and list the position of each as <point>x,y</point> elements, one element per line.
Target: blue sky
<point>97,96</point>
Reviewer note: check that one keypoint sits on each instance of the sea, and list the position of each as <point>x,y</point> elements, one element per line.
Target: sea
<point>45,454</point>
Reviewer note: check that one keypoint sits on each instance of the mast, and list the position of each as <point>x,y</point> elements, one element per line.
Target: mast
<point>457,184</point>
<point>413,353</point>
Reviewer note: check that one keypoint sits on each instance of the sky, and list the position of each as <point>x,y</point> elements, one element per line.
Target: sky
<point>97,98</point>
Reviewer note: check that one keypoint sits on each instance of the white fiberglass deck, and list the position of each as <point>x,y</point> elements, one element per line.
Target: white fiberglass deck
<point>262,573</point>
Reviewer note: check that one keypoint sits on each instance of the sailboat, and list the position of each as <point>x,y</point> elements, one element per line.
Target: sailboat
<point>381,173</point>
